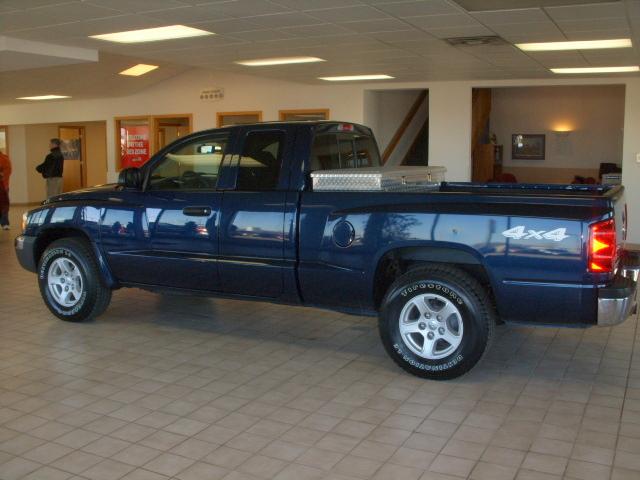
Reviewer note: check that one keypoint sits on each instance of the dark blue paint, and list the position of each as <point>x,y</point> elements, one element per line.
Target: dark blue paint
<point>324,248</point>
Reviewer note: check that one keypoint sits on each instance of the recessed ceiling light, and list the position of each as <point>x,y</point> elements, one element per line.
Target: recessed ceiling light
<point>139,69</point>
<point>261,62</point>
<point>349,78</point>
<point>153,34</point>
<point>580,45</point>
<point>43,97</point>
<point>633,68</point>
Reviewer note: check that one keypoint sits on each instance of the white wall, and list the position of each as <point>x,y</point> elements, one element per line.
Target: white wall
<point>181,95</point>
<point>387,111</point>
<point>449,113</point>
<point>630,153</point>
<point>18,191</point>
<point>593,113</point>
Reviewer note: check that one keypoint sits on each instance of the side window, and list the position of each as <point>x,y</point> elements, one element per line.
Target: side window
<point>194,166</point>
<point>343,150</point>
<point>366,152</point>
<point>259,168</point>
<point>345,146</point>
<point>324,152</point>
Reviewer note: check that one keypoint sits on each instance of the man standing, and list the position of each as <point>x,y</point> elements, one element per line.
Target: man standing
<point>5,173</point>
<point>51,168</point>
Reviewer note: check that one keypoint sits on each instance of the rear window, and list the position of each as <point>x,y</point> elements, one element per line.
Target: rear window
<point>343,150</point>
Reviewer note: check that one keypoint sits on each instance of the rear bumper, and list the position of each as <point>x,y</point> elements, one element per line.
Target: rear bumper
<point>617,301</point>
<point>25,252</point>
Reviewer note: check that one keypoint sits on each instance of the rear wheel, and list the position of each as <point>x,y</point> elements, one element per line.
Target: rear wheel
<point>70,281</point>
<point>436,322</point>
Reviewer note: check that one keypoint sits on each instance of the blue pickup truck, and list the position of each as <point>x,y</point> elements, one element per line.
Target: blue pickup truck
<point>233,212</point>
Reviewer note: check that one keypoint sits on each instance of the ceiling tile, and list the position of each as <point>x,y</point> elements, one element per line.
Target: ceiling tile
<point>137,6</point>
<point>248,8</point>
<point>481,5</point>
<point>320,30</point>
<point>587,12</point>
<point>600,24</point>
<point>598,34</point>
<point>22,20</point>
<point>442,21</point>
<point>73,12</point>
<point>229,26</point>
<point>373,26</point>
<point>24,4</point>
<point>531,32</point>
<point>349,14</point>
<point>262,35</point>
<point>305,5</point>
<point>415,8</point>
<point>452,32</point>
<point>501,17</point>
<point>280,20</point>
<point>187,15</point>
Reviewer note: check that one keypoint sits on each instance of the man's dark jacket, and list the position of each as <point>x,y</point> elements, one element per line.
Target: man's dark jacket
<point>52,165</point>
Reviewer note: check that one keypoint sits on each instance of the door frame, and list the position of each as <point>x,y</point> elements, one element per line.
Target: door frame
<point>6,137</point>
<point>155,123</point>
<point>83,152</point>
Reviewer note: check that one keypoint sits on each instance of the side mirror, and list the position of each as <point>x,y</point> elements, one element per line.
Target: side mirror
<point>130,178</point>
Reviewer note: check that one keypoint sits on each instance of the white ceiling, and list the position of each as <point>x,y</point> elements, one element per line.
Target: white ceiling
<point>403,38</point>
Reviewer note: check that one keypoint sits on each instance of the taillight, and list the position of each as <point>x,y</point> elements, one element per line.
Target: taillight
<point>602,246</point>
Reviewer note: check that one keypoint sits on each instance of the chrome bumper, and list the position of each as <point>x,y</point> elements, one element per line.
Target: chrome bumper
<point>617,301</point>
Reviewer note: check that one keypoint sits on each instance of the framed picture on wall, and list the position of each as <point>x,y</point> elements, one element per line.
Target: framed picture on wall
<point>526,146</point>
<point>237,118</point>
<point>307,114</point>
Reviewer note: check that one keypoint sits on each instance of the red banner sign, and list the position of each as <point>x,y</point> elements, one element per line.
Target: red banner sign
<point>134,145</point>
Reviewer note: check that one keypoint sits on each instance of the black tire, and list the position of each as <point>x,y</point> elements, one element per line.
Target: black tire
<point>475,311</point>
<point>95,296</point>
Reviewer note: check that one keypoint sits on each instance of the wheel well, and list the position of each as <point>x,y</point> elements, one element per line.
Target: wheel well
<point>47,237</point>
<point>397,262</point>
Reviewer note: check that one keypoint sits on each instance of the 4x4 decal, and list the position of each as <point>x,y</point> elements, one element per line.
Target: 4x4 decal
<point>521,233</point>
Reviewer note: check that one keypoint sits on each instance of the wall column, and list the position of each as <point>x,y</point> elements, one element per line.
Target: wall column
<point>450,129</point>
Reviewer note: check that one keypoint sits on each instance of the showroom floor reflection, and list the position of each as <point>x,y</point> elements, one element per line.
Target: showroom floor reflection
<point>192,387</point>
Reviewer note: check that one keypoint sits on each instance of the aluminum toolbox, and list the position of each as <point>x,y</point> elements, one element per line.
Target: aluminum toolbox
<point>391,179</point>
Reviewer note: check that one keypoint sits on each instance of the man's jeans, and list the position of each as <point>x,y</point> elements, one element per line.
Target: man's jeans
<point>54,186</point>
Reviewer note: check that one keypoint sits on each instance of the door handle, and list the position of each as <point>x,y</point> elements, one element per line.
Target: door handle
<point>197,211</point>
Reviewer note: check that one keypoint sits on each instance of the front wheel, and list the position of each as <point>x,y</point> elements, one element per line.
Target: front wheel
<point>436,322</point>
<point>70,281</point>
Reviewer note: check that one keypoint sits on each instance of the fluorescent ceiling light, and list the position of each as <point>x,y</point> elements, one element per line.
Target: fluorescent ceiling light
<point>348,78</point>
<point>633,68</point>
<point>139,69</point>
<point>43,97</point>
<point>261,62</point>
<point>153,34</point>
<point>580,45</point>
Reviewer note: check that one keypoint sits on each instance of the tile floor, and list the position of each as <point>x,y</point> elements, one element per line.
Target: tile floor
<point>194,388</point>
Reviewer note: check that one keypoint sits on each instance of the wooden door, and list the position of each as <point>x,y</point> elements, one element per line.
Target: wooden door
<point>73,150</point>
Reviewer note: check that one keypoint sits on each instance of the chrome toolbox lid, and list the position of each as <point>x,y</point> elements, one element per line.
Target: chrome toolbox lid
<point>381,179</point>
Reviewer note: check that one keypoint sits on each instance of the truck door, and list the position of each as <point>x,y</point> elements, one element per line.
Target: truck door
<point>256,225</point>
<point>182,205</point>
